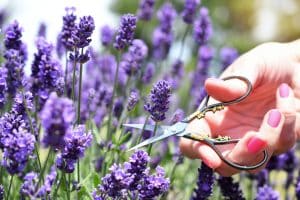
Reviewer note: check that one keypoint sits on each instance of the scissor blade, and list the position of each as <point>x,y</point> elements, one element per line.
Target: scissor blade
<point>162,136</point>
<point>147,127</point>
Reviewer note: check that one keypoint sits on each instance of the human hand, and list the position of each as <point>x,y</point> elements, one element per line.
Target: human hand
<point>267,119</point>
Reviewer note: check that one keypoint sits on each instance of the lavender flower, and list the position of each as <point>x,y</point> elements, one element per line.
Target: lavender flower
<point>133,99</point>
<point>18,147</point>
<point>29,185</point>
<point>205,183</point>
<point>132,180</point>
<point>146,9</point>
<point>76,142</point>
<point>267,193</point>
<point>161,42</point>
<point>46,188</point>
<point>118,107</point>
<point>82,35</point>
<point>126,31</point>
<point>42,30</point>
<point>68,29</point>
<point>297,187</point>
<point>189,11</point>
<point>148,73</point>
<point>166,15</point>
<point>3,87</point>
<point>203,27</point>
<point>56,117</point>
<point>3,17</point>
<point>230,189</point>
<point>154,185</point>
<point>12,40</point>
<point>30,189</point>
<point>175,74</point>
<point>159,100</point>
<point>132,61</point>
<point>227,56</point>
<point>45,72</point>
<point>107,34</point>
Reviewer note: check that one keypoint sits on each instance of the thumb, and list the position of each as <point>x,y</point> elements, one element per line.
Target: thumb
<point>226,90</point>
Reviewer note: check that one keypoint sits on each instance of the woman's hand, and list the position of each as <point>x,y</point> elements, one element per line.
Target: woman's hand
<point>267,119</point>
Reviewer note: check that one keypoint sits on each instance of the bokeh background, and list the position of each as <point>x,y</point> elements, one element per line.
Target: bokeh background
<point>241,24</point>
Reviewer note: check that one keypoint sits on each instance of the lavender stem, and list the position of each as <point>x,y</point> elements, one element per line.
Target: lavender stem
<point>150,145</point>
<point>9,188</point>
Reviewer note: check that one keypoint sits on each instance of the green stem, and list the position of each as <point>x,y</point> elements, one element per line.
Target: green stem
<point>9,187</point>
<point>69,185</point>
<point>41,177</point>
<point>150,145</point>
<point>74,79</point>
<point>56,189</point>
<point>109,135</point>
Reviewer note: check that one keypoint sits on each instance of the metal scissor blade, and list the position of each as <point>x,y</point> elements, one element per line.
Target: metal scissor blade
<point>147,127</point>
<point>162,136</point>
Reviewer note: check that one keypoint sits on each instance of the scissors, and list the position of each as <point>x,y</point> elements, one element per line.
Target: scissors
<point>179,128</point>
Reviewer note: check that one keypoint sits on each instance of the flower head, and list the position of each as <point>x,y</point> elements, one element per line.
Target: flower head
<point>126,31</point>
<point>107,34</point>
<point>267,193</point>
<point>227,56</point>
<point>148,73</point>
<point>230,189</point>
<point>158,103</point>
<point>69,26</point>
<point>203,27</point>
<point>76,142</point>
<point>56,117</point>
<point>166,15</point>
<point>146,9</point>
<point>83,33</point>
<point>205,183</point>
<point>133,99</point>
<point>189,11</point>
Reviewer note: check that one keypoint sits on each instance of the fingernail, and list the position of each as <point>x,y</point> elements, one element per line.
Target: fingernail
<point>274,118</point>
<point>255,145</point>
<point>284,90</point>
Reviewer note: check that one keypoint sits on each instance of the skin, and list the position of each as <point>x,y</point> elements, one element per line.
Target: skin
<point>267,67</point>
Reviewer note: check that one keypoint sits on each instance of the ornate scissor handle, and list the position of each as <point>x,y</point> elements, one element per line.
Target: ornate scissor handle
<point>203,109</point>
<point>222,141</point>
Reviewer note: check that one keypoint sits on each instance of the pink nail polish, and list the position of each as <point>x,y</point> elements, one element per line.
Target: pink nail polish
<point>274,118</point>
<point>284,90</point>
<point>255,145</point>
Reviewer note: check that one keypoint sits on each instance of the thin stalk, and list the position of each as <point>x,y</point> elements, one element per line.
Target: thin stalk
<point>66,75</point>
<point>109,135</point>
<point>56,189</point>
<point>141,134</point>
<point>183,40</point>
<point>150,145</point>
<point>1,175</point>
<point>74,79</point>
<point>44,167</point>
<point>78,110</point>
<point>9,187</point>
<point>69,185</point>
<point>124,111</point>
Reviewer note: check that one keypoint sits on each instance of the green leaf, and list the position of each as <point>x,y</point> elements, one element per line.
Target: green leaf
<point>125,138</point>
<point>84,193</point>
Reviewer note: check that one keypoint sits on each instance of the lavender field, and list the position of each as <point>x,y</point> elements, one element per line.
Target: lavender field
<point>61,133</point>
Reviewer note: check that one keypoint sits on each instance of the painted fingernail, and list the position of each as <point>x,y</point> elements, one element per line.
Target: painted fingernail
<point>255,145</point>
<point>274,118</point>
<point>284,90</point>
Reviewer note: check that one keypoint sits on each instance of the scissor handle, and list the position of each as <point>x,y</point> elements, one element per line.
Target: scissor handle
<point>234,101</point>
<point>212,143</point>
